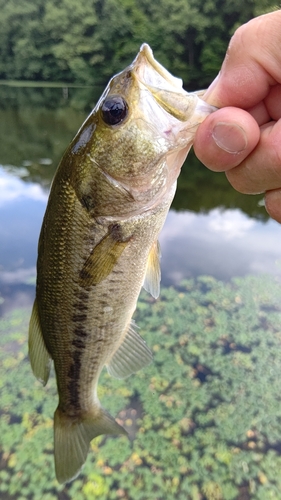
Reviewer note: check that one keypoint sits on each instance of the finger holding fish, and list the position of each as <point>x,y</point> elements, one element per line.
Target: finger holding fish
<point>249,80</point>
<point>226,138</point>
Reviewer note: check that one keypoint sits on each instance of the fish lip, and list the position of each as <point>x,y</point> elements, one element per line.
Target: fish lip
<point>146,58</point>
<point>166,89</point>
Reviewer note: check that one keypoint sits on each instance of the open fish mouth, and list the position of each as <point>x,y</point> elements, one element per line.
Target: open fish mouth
<point>167,89</point>
<point>152,74</point>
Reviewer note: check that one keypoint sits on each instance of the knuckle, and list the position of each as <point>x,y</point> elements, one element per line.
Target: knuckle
<point>237,40</point>
<point>240,181</point>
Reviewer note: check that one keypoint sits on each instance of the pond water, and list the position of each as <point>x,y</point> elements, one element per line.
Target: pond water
<point>210,229</point>
<point>204,420</point>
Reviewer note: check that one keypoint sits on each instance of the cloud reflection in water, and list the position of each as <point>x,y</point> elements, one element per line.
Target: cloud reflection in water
<point>13,189</point>
<point>221,243</point>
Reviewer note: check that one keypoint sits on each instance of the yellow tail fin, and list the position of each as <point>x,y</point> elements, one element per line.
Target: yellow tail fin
<point>72,439</point>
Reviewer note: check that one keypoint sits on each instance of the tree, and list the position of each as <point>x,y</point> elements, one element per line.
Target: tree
<point>89,40</point>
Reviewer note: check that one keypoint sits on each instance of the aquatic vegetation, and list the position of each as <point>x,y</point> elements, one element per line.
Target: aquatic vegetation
<point>204,419</point>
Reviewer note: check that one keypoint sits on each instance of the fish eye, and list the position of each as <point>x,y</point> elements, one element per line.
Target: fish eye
<point>114,110</point>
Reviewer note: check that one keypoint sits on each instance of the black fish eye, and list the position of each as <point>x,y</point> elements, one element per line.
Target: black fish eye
<point>114,109</point>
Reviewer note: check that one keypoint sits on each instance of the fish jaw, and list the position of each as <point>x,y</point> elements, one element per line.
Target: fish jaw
<point>168,90</point>
<point>152,73</point>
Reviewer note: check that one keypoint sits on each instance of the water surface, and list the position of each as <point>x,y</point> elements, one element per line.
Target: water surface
<point>204,418</point>
<point>210,229</point>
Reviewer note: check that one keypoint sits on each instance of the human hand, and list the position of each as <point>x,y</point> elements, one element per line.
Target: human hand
<point>244,137</point>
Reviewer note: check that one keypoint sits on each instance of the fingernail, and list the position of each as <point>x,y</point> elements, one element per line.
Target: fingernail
<point>230,137</point>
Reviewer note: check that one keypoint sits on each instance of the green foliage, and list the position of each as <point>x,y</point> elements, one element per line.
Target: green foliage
<point>89,40</point>
<point>204,419</point>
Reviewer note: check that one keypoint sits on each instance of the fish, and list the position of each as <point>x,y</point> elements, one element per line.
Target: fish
<point>98,245</point>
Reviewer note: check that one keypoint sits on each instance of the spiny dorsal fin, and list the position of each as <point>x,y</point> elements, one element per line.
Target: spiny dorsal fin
<point>40,359</point>
<point>72,439</point>
<point>103,258</point>
<point>132,355</point>
<point>153,272</point>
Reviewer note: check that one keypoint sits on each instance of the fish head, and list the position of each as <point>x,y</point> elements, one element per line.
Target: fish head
<point>144,126</point>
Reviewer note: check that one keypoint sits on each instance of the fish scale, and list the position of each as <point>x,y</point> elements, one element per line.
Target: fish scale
<point>98,245</point>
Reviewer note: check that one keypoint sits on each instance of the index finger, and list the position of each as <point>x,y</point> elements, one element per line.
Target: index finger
<point>251,66</point>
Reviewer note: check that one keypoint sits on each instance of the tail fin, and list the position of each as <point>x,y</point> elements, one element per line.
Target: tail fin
<point>72,440</point>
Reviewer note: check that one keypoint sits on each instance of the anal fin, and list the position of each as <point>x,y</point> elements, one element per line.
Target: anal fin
<point>132,355</point>
<point>153,272</point>
<point>40,359</point>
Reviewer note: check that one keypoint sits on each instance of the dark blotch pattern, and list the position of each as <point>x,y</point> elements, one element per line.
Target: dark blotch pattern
<point>73,384</point>
<point>79,317</point>
<point>79,344</point>
<point>80,332</point>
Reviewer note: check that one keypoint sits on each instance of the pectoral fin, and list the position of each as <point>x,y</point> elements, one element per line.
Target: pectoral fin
<point>153,272</point>
<point>103,257</point>
<point>40,359</point>
<point>132,355</point>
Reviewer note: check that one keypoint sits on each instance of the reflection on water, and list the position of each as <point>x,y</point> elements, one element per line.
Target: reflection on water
<point>222,243</point>
<point>38,123</point>
<point>22,207</point>
<point>214,231</point>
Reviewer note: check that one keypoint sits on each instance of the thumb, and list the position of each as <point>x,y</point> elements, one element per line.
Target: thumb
<point>226,138</point>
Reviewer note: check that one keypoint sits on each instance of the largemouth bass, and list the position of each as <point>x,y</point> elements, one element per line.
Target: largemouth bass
<point>98,245</point>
